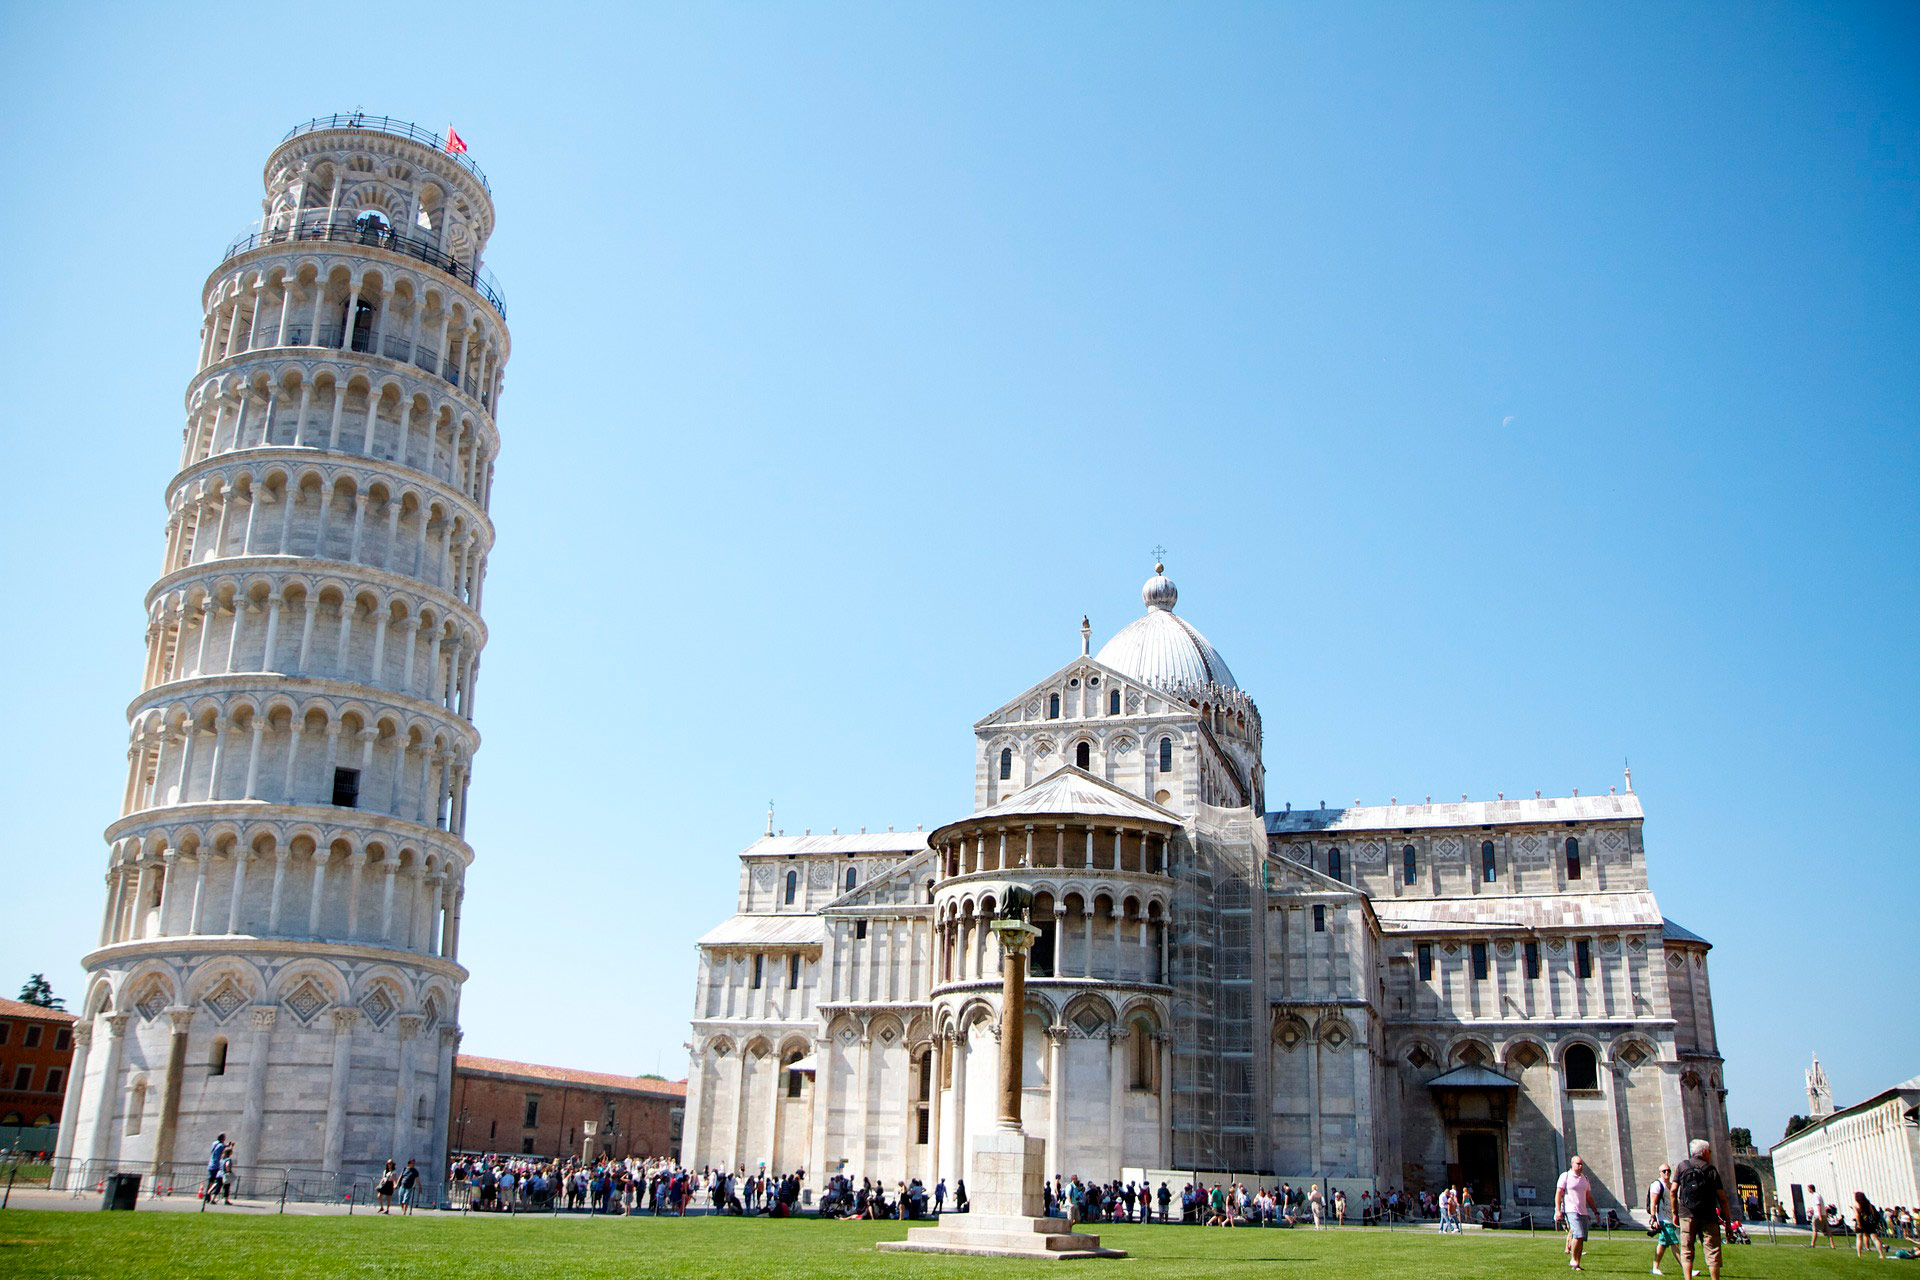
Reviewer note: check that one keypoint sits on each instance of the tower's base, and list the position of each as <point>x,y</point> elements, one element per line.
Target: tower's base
<point>991,1236</point>
<point>1008,1168</point>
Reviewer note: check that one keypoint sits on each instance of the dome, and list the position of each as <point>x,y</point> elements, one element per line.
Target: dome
<point>1162,649</point>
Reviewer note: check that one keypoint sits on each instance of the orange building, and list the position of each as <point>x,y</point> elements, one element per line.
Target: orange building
<point>519,1108</point>
<point>36,1053</point>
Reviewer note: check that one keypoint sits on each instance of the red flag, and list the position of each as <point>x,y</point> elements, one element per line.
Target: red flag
<point>456,146</point>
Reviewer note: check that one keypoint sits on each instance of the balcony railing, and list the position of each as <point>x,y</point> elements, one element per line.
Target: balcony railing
<point>397,128</point>
<point>378,235</point>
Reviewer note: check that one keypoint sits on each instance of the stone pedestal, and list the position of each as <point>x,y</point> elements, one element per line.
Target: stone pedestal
<point>1005,1185</point>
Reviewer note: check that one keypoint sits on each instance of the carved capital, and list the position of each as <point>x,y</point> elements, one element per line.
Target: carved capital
<point>344,1020</point>
<point>409,1024</point>
<point>264,1016</point>
<point>83,1033</point>
<point>117,1024</point>
<point>182,1016</point>
<point>450,1037</point>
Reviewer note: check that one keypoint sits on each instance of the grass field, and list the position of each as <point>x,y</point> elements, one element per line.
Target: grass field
<point>197,1246</point>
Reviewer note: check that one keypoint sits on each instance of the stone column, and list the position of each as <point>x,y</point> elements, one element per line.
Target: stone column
<point>693,1117</point>
<point>739,1154</point>
<point>857,1106</point>
<point>1056,1100</point>
<point>1015,938</point>
<point>933,1094</point>
<point>435,1165</point>
<point>1117,1083</point>
<point>107,1108</point>
<point>182,1018</point>
<point>1164,1059</point>
<point>408,1026</point>
<point>70,1108</point>
<point>238,907</point>
<point>253,1117</point>
<point>336,1136</point>
<point>959,1154</point>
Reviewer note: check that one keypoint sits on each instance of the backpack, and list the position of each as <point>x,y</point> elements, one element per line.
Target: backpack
<point>1694,1188</point>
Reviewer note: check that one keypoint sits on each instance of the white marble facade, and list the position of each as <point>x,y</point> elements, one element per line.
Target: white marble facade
<point>1391,995</point>
<point>278,955</point>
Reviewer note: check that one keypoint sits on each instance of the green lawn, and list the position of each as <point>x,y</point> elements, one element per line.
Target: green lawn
<point>197,1246</point>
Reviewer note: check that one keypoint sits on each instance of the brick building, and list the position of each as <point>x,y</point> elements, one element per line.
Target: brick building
<point>36,1053</point>
<point>519,1107</point>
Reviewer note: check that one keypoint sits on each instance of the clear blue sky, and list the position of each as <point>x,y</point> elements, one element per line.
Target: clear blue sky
<point>1516,390</point>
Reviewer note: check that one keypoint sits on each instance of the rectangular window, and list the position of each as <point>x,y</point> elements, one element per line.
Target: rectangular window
<point>859,929</point>
<point>793,971</point>
<point>1479,962</point>
<point>1425,952</point>
<point>63,1038</point>
<point>55,1078</point>
<point>1319,919</point>
<point>32,1040</point>
<point>920,1138</point>
<point>22,1079</point>
<point>759,971</point>
<point>1583,958</point>
<point>526,1146</point>
<point>4,1028</point>
<point>532,1120</point>
<point>1489,864</point>
<point>346,788</point>
<point>1533,960</point>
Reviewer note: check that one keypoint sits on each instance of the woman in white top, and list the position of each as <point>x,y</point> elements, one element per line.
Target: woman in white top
<point>1314,1203</point>
<point>1660,1217</point>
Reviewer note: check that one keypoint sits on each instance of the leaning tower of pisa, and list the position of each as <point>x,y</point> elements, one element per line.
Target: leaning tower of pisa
<point>278,955</point>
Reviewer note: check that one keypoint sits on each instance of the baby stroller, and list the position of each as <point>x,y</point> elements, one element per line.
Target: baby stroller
<point>1737,1233</point>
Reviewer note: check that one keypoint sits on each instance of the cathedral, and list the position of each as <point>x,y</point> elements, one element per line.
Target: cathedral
<point>1376,997</point>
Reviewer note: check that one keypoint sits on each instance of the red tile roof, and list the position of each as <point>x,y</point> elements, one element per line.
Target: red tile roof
<point>20,1009</point>
<point>567,1075</point>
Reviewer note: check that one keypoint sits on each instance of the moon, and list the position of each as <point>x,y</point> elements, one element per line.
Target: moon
<point>1507,421</point>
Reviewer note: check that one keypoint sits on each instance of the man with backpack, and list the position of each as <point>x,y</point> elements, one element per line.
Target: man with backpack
<point>1700,1200</point>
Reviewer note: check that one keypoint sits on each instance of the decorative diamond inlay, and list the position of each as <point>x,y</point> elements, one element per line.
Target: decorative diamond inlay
<point>1419,1057</point>
<point>225,1002</point>
<point>1088,1021</point>
<point>886,1036</point>
<point>378,1006</point>
<point>152,1005</point>
<point>1335,1037</point>
<point>305,1002</point>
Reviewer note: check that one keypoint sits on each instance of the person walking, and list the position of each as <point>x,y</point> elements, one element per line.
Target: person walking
<point>1314,1204</point>
<point>1700,1200</point>
<point>409,1189</point>
<point>1339,1207</point>
<point>1660,1215</point>
<point>1573,1209</point>
<point>1867,1225</point>
<point>213,1167</point>
<point>226,1173</point>
<point>384,1189</point>
<point>1817,1216</point>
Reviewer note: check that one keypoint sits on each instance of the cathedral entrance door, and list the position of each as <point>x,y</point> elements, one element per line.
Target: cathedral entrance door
<point>1480,1164</point>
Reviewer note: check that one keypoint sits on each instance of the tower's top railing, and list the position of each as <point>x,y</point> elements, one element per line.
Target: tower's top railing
<point>397,128</point>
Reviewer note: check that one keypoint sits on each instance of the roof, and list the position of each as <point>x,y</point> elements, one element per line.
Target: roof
<point>1073,792</point>
<point>1481,912</point>
<point>1472,1077</point>
<point>1467,813</point>
<point>567,1075</point>
<point>793,929</point>
<point>21,1009</point>
<point>1671,932</point>
<point>1907,1091</point>
<point>1162,649</point>
<point>854,845</point>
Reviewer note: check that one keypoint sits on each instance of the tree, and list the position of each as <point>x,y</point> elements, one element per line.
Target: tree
<point>1742,1137</point>
<point>38,991</point>
<point>1794,1125</point>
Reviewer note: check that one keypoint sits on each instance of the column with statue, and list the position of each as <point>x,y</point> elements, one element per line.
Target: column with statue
<point>1009,1165</point>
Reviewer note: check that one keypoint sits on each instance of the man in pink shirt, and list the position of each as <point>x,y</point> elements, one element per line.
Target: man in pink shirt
<point>1573,1206</point>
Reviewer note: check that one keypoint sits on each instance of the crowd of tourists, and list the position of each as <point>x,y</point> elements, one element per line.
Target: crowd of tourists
<point>1687,1206</point>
